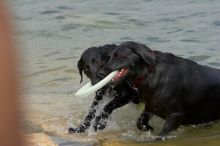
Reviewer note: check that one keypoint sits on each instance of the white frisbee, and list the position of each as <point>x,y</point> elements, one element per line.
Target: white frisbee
<point>89,89</point>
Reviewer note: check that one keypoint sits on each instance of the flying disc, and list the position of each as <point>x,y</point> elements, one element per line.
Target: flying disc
<point>89,89</point>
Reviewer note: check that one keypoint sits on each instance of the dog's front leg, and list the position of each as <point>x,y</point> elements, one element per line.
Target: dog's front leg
<point>101,120</point>
<point>86,122</point>
<point>142,122</point>
<point>173,121</point>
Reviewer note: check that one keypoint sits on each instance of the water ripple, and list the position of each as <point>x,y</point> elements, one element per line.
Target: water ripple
<point>216,23</point>
<point>45,71</point>
<point>199,58</point>
<point>49,12</point>
<point>50,54</point>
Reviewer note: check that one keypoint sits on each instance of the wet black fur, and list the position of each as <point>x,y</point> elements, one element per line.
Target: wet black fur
<point>90,63</point>
<point>178,90</point>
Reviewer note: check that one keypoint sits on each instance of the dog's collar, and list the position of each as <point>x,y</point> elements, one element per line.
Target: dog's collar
<point>139,81</point>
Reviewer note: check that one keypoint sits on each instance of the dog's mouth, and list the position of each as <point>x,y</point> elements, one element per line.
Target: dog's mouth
<point>122,73</point>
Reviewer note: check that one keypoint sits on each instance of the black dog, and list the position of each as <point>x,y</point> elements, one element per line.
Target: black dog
<point>176,89</point>
<point>90,62</point>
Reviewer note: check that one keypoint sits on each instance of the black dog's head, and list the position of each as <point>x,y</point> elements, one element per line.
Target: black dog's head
<point>129,58</point>
<point>92,60</point>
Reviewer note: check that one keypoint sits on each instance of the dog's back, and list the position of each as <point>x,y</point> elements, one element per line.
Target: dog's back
<point>191,87</point>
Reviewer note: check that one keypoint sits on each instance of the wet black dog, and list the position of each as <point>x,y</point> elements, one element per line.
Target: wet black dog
<point>90,62</point>
<point>176,89</point>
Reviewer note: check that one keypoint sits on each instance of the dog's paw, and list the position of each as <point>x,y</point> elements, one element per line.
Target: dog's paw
<point>145,127</point>
<point>76,130</point>
<point>71,130</point>
<point>99,127</point>
<point>100,123</point>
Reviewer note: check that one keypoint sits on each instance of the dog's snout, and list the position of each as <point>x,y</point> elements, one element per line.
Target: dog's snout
<point>101,73</point>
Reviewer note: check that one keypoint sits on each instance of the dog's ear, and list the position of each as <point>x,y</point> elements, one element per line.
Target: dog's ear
<point>142,51</point>
<point>80,68</point>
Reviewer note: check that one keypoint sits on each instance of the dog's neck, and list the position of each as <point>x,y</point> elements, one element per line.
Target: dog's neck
<point>137,82</point>
<point>150,68</point>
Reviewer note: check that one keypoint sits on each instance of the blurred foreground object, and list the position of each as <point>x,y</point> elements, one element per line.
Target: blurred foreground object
<point>10,131</point>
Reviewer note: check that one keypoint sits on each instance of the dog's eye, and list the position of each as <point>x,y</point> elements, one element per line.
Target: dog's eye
<point>97,62</point>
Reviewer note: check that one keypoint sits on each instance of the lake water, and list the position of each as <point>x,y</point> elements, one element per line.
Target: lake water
<point>53,34</point>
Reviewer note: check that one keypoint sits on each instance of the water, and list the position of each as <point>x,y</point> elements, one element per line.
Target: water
<point>53,34</point>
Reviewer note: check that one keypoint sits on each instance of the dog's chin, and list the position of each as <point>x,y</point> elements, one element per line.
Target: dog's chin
<point>120,76</point>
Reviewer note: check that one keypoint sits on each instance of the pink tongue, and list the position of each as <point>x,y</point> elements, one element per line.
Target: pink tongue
<point>119,74</point>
